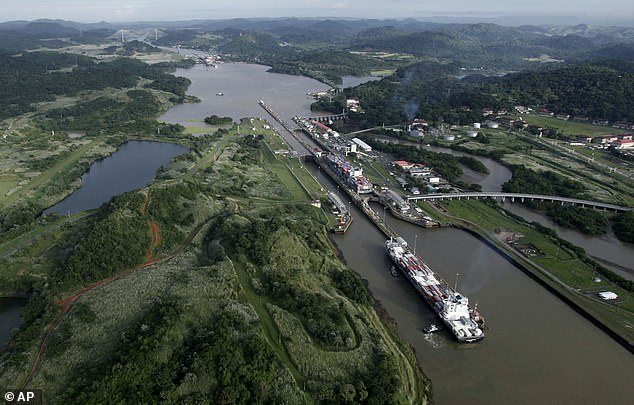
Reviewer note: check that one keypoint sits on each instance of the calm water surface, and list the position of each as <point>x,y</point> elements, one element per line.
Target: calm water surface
<point>132,166</point>
<point>10,310</point>
<point>242,86</point>
<point>537,349</point>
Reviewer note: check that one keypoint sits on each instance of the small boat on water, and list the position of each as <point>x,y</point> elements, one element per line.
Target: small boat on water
<point>220,94</point>
<point>394,272</point>
<point>432,328</point>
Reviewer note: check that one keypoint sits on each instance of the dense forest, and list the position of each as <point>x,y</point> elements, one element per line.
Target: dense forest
<point>429,90</point>
<point>41,76</point>
<point>599,92</point>
<point>118,241</point>
<point>216,120</point>
<point>525,180</point>
<point>624,227</point>
<point>587,221</point>
<point>238,364</point>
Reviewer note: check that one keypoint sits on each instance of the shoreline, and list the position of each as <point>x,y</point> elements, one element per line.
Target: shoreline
<point>538,277</point>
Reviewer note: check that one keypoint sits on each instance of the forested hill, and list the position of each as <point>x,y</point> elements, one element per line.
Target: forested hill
<point>600,92</point>
<point>474,46</point>
<point>16,37</point>
<point>41,76</point>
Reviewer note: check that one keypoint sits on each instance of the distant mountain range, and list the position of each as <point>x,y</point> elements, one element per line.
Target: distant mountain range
<point>473,45</point>
<point>345,27</point>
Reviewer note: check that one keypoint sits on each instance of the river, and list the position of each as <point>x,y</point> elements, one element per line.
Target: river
<point>606,249</point>
<point>537,349</point>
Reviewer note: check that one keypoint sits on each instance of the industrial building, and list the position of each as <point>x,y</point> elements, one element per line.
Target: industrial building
<point>397,200</point>
<point>362,145</point>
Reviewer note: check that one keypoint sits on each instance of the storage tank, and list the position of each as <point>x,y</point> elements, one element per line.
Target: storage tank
<point>472,134</point>
<point>449,137</point>
<point>476,125</point>
<point>493,125</point>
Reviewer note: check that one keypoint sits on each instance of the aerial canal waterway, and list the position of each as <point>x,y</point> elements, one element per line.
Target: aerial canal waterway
<point>132,166</point>
<point>242,86</point>
<point>537,350</point>
<point>606,249</point>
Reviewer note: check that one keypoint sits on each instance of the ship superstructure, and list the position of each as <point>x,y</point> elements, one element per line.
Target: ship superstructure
<point>450,306</point>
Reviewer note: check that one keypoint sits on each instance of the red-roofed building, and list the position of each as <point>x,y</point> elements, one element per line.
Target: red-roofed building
<point>623,144</point>
<point>405,165</point>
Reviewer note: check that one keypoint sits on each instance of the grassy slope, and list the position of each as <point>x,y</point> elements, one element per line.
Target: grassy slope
<point>119,304</point>
<point>557,264</point>
<point>50,175</point>
<point>571,127</point>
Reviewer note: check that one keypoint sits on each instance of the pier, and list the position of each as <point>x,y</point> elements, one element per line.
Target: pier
<point>359,201</point>
<point>287,127</point>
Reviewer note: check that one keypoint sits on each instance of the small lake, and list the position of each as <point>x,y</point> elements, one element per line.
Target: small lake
<point>10,310</point>
<point>132,166</point>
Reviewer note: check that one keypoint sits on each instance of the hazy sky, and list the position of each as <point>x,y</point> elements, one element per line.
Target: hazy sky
<point>145,10</point>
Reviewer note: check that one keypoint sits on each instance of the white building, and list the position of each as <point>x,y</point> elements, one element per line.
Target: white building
<point>362,145</point>
<point>608,295</point>
<point>352,104</point>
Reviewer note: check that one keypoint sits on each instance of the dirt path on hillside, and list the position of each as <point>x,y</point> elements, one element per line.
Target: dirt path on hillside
<point>66,303</point>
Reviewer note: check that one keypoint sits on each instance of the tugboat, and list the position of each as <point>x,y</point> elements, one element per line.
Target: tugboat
<point>432,328</point>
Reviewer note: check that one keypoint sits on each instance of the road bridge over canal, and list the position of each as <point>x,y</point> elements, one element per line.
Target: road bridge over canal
<point>327,118</point>
<point>522,197</point>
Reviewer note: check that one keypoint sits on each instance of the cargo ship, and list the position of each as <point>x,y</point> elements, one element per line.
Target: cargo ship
<point>450,306</point>
<point>352,176</point>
